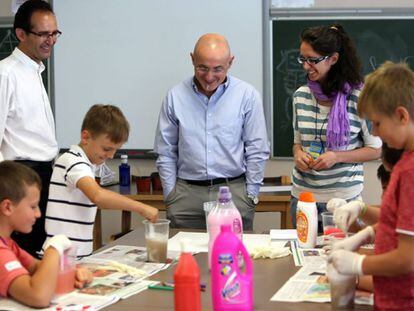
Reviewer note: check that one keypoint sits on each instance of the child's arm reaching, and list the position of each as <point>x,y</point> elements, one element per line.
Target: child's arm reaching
<point>394,263</point>
<point>106,199</point>
<point>37,289</point>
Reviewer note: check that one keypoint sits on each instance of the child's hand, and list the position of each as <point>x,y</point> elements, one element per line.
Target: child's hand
<point>83,277</point>
<point>150,213</point>
<point>347,262</point>
<point>59,242</point>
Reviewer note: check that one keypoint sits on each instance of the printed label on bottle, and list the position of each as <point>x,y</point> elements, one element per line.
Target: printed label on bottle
<point>302,226</point>
<point>237,229</point>
<point>231,289</point>
<point>225,259</point>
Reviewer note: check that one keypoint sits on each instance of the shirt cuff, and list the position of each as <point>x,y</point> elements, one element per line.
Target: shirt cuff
<point>253,189</point>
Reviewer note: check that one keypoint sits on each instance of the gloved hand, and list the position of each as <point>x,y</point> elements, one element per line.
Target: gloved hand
<point>366,235</point>
<point>345,215</point>
<point>334,203</point>
<point>59,242</point>
<point>347,262</point>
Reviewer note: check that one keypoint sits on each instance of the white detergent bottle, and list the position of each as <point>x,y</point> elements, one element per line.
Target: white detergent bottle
<point>307,220</point>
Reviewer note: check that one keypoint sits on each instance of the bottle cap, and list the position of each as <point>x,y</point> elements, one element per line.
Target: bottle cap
<point>124,156</point>
<point>224,194</point>
<point>306,197</point>
<point>185,245</point>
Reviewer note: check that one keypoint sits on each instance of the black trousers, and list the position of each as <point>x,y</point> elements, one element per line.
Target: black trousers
<point>32,242</point>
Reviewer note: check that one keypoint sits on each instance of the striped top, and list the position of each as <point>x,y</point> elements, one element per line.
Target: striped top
<point>310,120</point>
<point>69,211</point>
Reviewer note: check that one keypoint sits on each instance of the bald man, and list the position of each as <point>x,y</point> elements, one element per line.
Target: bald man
<point>211,132</point>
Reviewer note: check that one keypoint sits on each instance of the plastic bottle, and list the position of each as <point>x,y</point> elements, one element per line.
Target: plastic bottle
<point>124,171</point>
<point>224,213</point>
<point>307,220</point>
<point>187,294</point>
<point>231,287</point>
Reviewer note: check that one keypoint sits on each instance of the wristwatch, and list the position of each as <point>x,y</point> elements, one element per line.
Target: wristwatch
<point>254,198</point>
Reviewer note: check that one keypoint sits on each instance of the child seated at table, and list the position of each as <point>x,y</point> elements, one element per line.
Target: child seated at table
<point>388,101</point>
<point>74,195</point>
<point>23,277</point>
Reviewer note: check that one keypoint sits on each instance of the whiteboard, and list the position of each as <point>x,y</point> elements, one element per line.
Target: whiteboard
<point>130,52</point>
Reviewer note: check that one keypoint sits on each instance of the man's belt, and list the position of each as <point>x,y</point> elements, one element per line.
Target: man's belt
<point>211,182</point>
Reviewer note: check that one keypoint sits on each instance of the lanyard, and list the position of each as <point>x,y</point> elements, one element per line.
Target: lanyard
<point>316,125</point>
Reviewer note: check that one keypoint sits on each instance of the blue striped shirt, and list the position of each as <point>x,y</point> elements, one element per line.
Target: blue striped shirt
<point>343,180</point>
<point>202,138</point>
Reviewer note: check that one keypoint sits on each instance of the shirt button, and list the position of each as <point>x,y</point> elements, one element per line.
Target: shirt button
<point>208,133</point>
<point>209,151</point>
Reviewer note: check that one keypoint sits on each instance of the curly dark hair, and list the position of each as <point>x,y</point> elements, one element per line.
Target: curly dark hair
<point>327,40</point>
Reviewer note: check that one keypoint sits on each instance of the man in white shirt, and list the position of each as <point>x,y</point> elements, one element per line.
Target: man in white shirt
<point>27,129</point>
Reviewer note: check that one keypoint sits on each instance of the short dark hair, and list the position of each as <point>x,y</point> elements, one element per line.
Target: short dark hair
<point>383,175</point>
<point>327,40</point>
<point>106,119</point>
<point>23,17</point>
<point>390,156</point>
<point>14,179</point>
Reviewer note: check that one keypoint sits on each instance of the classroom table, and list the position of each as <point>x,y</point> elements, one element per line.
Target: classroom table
<point>268,202</point>
<point>269,276</point>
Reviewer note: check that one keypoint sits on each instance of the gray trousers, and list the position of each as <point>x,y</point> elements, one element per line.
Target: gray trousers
<point>185,203</point>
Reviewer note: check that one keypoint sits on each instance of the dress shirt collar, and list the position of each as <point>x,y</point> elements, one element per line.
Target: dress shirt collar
<point>224,85</point>
<point>26,60</point>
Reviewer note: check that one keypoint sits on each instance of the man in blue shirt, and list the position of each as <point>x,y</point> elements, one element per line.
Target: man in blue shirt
<point>211,132</point>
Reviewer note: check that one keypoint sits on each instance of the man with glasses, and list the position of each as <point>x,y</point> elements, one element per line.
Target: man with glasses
<point>211,133</point>
<point>27,129</point>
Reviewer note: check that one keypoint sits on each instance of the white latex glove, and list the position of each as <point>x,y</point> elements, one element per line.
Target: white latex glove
<point>345,215</point>
<point>334,203</point>
<point>60,242</point>
<point>347,262</point>
<point>366,235</point>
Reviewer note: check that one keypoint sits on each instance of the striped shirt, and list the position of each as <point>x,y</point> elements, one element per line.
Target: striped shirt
<point>69,211</point>
<point>310,120</point>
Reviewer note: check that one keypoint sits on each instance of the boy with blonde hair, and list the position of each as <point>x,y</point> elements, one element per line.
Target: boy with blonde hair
<point>74,195</point>
<point>388,101</point>
<point>23,277</point>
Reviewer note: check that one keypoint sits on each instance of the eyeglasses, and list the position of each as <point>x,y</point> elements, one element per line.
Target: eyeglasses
<point>203,69</point>
<point>46,35</point>
<point>311,60</point>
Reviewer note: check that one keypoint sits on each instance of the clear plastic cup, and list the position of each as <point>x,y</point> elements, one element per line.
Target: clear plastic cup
<point>208,206</point>
<point>156,238</point>
<point>67,270</point>
<point>342,289</point>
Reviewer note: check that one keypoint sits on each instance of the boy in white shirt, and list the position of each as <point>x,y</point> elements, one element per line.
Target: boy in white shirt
<point>74,195</point>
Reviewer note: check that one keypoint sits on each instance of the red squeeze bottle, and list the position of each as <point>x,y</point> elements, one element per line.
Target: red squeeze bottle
<point>187,294</point>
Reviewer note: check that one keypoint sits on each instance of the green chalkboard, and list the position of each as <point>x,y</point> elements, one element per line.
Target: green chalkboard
<point>8,42</point>
<point>376,41</point>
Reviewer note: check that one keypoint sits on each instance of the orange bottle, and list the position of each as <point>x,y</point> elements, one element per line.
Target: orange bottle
<point>187,294</point>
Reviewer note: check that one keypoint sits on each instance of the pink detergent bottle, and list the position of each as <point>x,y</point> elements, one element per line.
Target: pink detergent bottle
<point>225,212</point>
<point>231,287</point>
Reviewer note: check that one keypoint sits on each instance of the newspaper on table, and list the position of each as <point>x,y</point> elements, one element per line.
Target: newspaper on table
<point>311,284</point>
<point>131,260</point>
<point>308,256</point>
<point>118,272</point>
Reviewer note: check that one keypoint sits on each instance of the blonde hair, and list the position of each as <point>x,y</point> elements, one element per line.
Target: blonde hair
<point>106,119</point>
<point>387,88</point>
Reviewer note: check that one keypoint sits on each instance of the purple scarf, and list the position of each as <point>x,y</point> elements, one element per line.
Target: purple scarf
<point>337,132</point>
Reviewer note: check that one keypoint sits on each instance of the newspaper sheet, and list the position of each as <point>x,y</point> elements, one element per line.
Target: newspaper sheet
<point>311,284</point>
